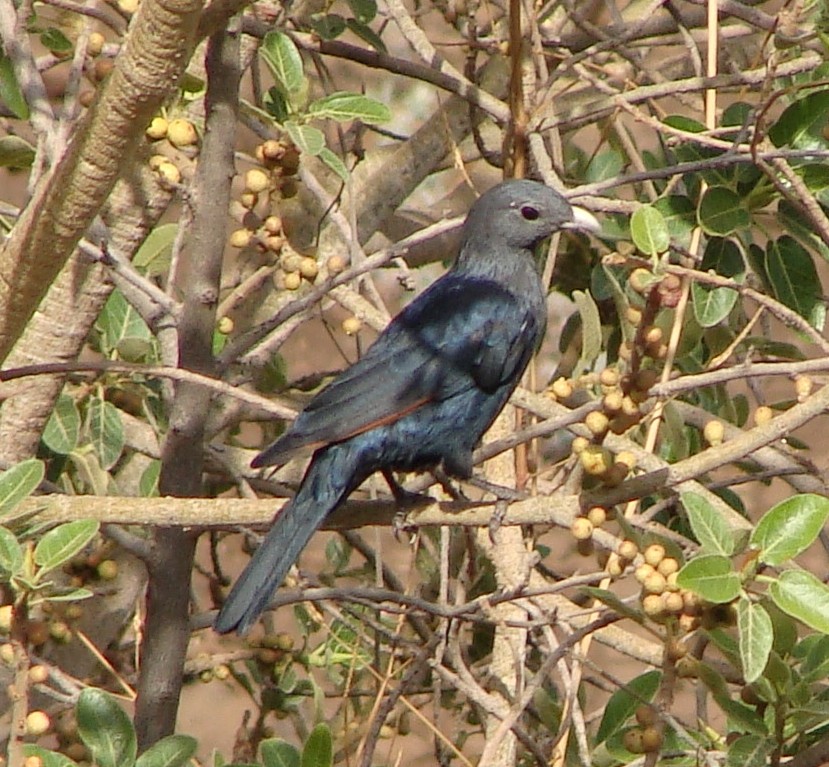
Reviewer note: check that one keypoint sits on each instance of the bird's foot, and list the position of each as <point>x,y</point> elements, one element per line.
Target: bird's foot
<point>403,497</point>
<point>501,492</point>
<point>455,493</point>
<point>497,519</point>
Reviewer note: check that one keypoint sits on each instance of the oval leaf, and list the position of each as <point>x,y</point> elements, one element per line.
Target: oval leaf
<point>279,753</point>
<point>804,597</point>
<point>10,93</point>
<point>307,138</point>
<point>319,748</point>
<point>11,553</point>
<point>794,280</point>
<point>283,59</point>
<point>334,162</point>
<point>172,751</point>
<point>712,577</point>
<point>649,231</point>
<point>156,252</point>
<point>712,305</point>
<point>790,527</point>
<point>624,701</point>
<point>106,431</point>
<point>63,427</point>
<point>710,529</point>
<point>721,211</point>
<point>47,758</point>
<point>105,729</point>
<point>756,638</point>
<point>63,542</point>
<point>343,106</point>
<point>749,751</point>
<point>16,152</point>
<point>19,482</point>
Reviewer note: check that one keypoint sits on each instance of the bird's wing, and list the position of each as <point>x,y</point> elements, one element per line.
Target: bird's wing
<point>459,334</point>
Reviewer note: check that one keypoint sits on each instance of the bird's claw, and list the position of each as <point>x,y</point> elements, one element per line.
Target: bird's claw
<point>497,519</point>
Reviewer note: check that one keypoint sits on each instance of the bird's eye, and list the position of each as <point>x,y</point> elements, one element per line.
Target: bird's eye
<point>529,212</point>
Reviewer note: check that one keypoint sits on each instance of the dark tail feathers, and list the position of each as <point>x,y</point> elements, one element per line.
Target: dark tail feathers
<point>332,475</point>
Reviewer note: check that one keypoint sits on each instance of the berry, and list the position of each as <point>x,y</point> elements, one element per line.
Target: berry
<point>628,549</point>
<point>181,132</point>
<point>654,554</point>
<point>581,529</point>
<point>240,238</point>
<point>256,180</point>
<point>351,326</point>
<point>714,432</point>
<point>763,415</point>
<point>157,129</point>
<point>37,723</point>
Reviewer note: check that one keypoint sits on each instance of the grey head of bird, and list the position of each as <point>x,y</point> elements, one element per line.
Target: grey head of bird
<point>519,214</point>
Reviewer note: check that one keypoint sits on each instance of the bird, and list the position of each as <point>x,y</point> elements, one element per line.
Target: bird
<point>426,391</point>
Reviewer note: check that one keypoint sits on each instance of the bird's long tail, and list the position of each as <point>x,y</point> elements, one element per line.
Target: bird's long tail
<point>334,472</point>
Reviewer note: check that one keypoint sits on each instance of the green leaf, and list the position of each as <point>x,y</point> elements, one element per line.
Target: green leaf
<point>366,33</point>
<point>591,331</point>
<point>334,162</point>
<point>106,431</point>
<point>172,751</point>
<point>649,231</point>
<point>57,594</point>
<point>790,527</point>
<point>712,577</point>
<point>57,42</point>
<point>721,211</point>
<point>279,753</point>
<point>16,152</point>
<point>328,26</point>
<point>319,748</point>
<point>713,305</point>
<point>283,59</point>
<point>749,751</point>
<point>801,124</point>
<point>48,758</point>
<point>155,254</point>
<point>307,138</point>
<point>793,279</point>
<point>123,330</point>
<point>756,637</point>
<point>611,600</point>
<point>63,427</point>
<point>623,703</point>
<point>603,166</point>
<point>60,544</point>
<point>680,216</point>
<point>804,597</point>
<point>708,525</point>
<point>105,729</point>
<point>815,666</point>
<point>19,482</point>
<point>11,553</point>
<point>10,93</point>
<point>364,10</point>
<point>148,483</point>
<point>343,106</point>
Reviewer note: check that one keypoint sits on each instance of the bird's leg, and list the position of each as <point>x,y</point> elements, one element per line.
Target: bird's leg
<point>455,493</point>
<point>501,492</point>
<point>402,496</point>
<point>497,519</point>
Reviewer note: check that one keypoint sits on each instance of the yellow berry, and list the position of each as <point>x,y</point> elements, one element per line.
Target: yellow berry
<point>336,264</point>
<point>95,44</point>
<point>37,723</point>
<point>672,600</point>
<point>615,567</point>
<point>7,653</point>
<point>181,132</point>
<point>292,281</point>
<point>632,741</point>
<point>763,415</point>
<point>581,529</point>
<point>714,432</point>
<point>38,674</point>
<point>275,243</point>
<point>612,402</point>
<point>309,268</point>
<point>60,631</point>
<point>645,715</point>
<point>597,515</point>
<point>626,458</point>
<point>128,6</point>
<point>578,445</point>
<point>651,739</point>
<point>595,459</point>
<point>351,326</point>
<point>32,761</point>
<point>643,572</point>
<point>156,161</point>
<point>640,280</point>
<point>628,549</point>
<point>248,200</point>
<point>597,423</point>
<point>654,554</point>
<point>256,180</point>
<point>652,336</point>
<point>169,173</point>
<point>157,129</point>
<point>652,605</point>
<point>107,570</point>
<point>655,583</point>
<point>240,238</point>
<point>609,377</point>
<point>562,388</point>
<point>291,262</point>
<point>633,315</point>
<point>225,325</point>
<point>668,566</point>
<point>221,672</point>
<point>272,224</point>
<point>271,149</point>
<point>803,385</point>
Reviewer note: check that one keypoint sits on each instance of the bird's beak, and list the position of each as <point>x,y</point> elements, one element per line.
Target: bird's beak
<point>584,220</point>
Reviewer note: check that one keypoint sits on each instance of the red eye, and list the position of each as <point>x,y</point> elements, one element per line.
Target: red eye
<point>529,212</point>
